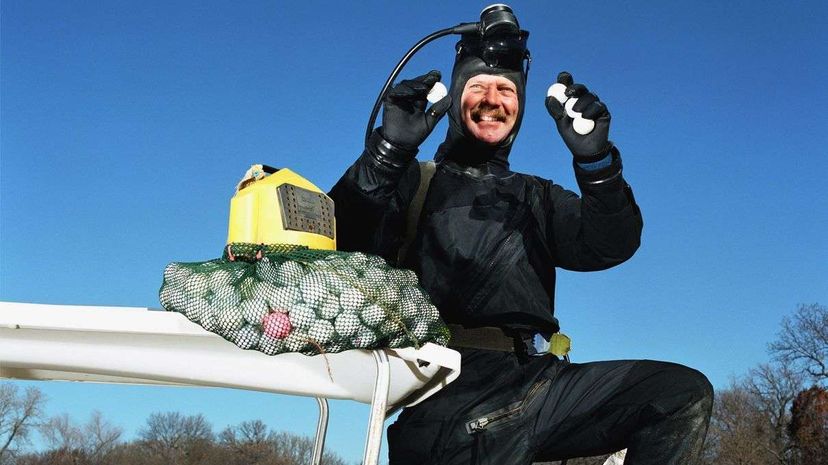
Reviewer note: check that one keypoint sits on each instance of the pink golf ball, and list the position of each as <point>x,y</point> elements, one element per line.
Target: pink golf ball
<point>277,325</point>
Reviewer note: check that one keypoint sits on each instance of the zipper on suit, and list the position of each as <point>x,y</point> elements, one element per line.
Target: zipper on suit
<point>487,421</point>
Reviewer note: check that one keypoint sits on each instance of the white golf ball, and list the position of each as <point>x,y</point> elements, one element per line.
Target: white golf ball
<point>284,298</point>
<point>558,91</point>
<point>412,294</point>
<point>346,324</point>
<point>583,126</point>
<point>351,299</point>
<point>254,310</point>
<point>170,272</point>
<point>429,311</point>
<point>219,279</point>
<point>569,111</point>
<point>313,293</point>
<point>336,261</point>
<point>321,331</point>
<point>290,273</point>
<point>357,260</point>
<point>197,285</point>
<point>302,317</point>
<point>409,309</point>
<point>270,345</point>
<point>226,297</point>
<point>195,308</point>
<point>437,92</point>
<point>337,285</point>
<point>365,338</point>
<point>329,308</point>
<point>375,277</point>
<point>372,315</point>
<point>247,337</point>
<point>388,296</point>
<point>208,322</point>
<point>420,330</point>
<point>296,342</point>
<point>167,298</point>
<point>228,320</point>
<point>402,277</point>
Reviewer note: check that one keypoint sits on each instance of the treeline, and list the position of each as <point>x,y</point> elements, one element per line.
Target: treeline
<point>167,439</point>
<point>777,413</point>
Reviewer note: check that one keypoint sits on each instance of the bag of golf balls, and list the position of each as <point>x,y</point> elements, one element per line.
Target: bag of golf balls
<point>294,299</point>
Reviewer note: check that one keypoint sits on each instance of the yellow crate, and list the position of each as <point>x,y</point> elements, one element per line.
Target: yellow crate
<point>282,208</point>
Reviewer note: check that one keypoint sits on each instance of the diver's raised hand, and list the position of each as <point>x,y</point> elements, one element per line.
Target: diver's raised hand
<point>583,120</point>
<point>406,122</point>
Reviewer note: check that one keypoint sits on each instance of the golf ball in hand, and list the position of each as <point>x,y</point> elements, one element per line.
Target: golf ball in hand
<point>437,92</point>
<point>583,126</point>
<point>558,91</point>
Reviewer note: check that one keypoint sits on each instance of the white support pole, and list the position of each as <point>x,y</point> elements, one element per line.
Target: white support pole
<point>321,430</point>
<point>379,406</point>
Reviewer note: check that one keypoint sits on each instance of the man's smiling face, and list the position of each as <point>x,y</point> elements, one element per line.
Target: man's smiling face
<point>489,106</point>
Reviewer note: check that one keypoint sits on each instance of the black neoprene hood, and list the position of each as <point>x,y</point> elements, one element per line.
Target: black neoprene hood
<point>460,146</point>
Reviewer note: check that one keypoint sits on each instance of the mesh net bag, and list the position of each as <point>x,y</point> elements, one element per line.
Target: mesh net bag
<point>277,299</point>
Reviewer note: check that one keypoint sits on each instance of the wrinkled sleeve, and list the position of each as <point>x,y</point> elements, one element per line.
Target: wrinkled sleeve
<point>597,230</point>
<point>371,197</point>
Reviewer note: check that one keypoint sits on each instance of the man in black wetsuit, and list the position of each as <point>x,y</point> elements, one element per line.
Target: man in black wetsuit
<point>486,247</point>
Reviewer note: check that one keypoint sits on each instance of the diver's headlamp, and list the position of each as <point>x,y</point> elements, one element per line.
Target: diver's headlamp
<point>502,51</point>
<point>497,39</point>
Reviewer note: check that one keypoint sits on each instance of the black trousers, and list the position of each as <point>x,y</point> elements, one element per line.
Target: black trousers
<point>510,409</point>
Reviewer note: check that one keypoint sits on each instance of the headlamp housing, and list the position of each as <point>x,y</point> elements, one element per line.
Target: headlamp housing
<point>501,51</point>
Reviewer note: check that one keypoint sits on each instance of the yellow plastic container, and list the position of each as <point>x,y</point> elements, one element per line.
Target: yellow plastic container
<point>282,208</point>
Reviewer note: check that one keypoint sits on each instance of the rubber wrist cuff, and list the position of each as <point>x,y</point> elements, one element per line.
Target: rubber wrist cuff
<point>388,154</point>
<point>600,177</point>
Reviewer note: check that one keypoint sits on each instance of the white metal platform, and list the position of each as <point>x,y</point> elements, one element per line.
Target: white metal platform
<point>144,346</point>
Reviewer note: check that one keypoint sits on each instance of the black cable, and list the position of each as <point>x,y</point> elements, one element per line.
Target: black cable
<point>462,28</point>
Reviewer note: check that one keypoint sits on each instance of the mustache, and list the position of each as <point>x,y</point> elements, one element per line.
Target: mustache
<point>488,110</point>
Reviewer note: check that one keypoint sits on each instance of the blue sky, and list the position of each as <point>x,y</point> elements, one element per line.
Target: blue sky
<point>125,126</point>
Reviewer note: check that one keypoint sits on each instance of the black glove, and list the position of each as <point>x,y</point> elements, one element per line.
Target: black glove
<point>405,121</point>
<point>589,147</point>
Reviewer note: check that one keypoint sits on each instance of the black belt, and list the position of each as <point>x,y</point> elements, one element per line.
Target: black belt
<point>487,338</point>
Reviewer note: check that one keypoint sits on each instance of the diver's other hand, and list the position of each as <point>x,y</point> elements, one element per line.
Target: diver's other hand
<point>583,120</point>
<point>406,122</point>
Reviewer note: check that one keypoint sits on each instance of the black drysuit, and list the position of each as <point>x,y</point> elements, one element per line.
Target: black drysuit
<point>486,249</point>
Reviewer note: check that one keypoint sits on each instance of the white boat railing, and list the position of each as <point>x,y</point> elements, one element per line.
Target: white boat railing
<point>144,346</point>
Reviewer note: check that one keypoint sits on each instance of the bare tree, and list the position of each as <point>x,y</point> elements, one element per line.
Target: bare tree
<point>61,434</point>
<point>750,418</point>
<point>737,434</point>
<point>100,438</point>
<point>774,388</point>
<point>19,413</point>
<point>175,438</point>
<point>91,443</point>
<point>803,341</point>
<point>249,441</point>
<point>296,449</point>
